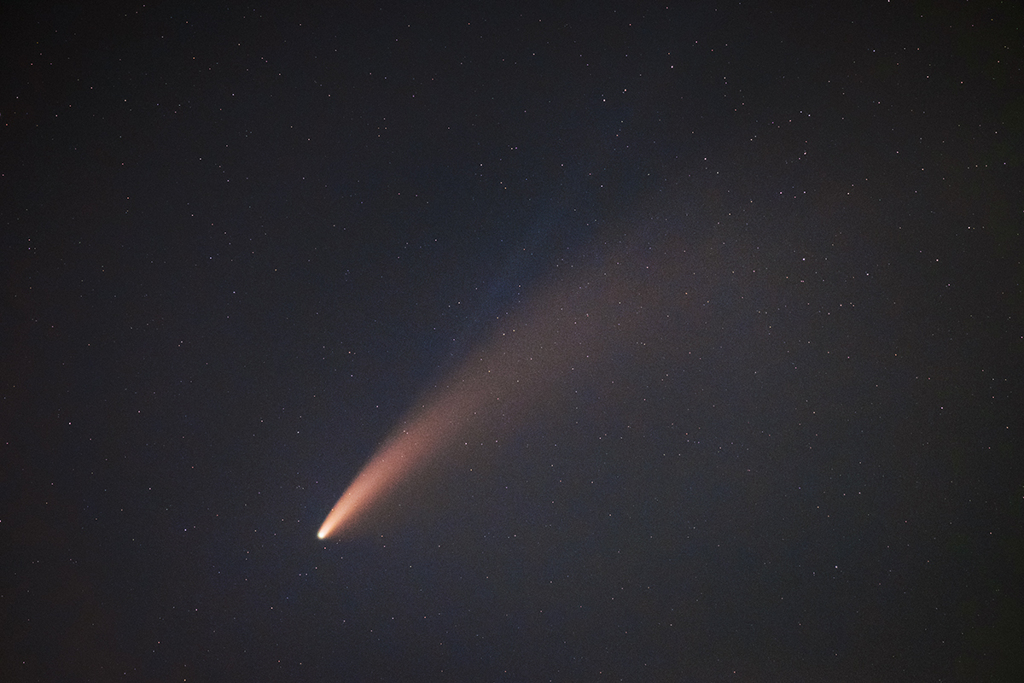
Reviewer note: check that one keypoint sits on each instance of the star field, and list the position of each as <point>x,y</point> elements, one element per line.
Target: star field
<point>710,316</point>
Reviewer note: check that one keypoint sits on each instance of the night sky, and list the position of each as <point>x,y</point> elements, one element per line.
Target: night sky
<point>716,306</point>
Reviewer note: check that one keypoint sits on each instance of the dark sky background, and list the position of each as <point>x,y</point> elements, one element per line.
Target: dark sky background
<point>238,245</point>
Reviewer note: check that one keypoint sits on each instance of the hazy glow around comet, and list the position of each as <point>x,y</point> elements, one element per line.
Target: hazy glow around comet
<point>622,306</point>
<point>426,434</point>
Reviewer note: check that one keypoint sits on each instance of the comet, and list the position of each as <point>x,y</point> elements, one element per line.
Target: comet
<point>426,434</point>
<point>576,329</point>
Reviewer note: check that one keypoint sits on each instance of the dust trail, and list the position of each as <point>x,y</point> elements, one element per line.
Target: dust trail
<point>581,324</point>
